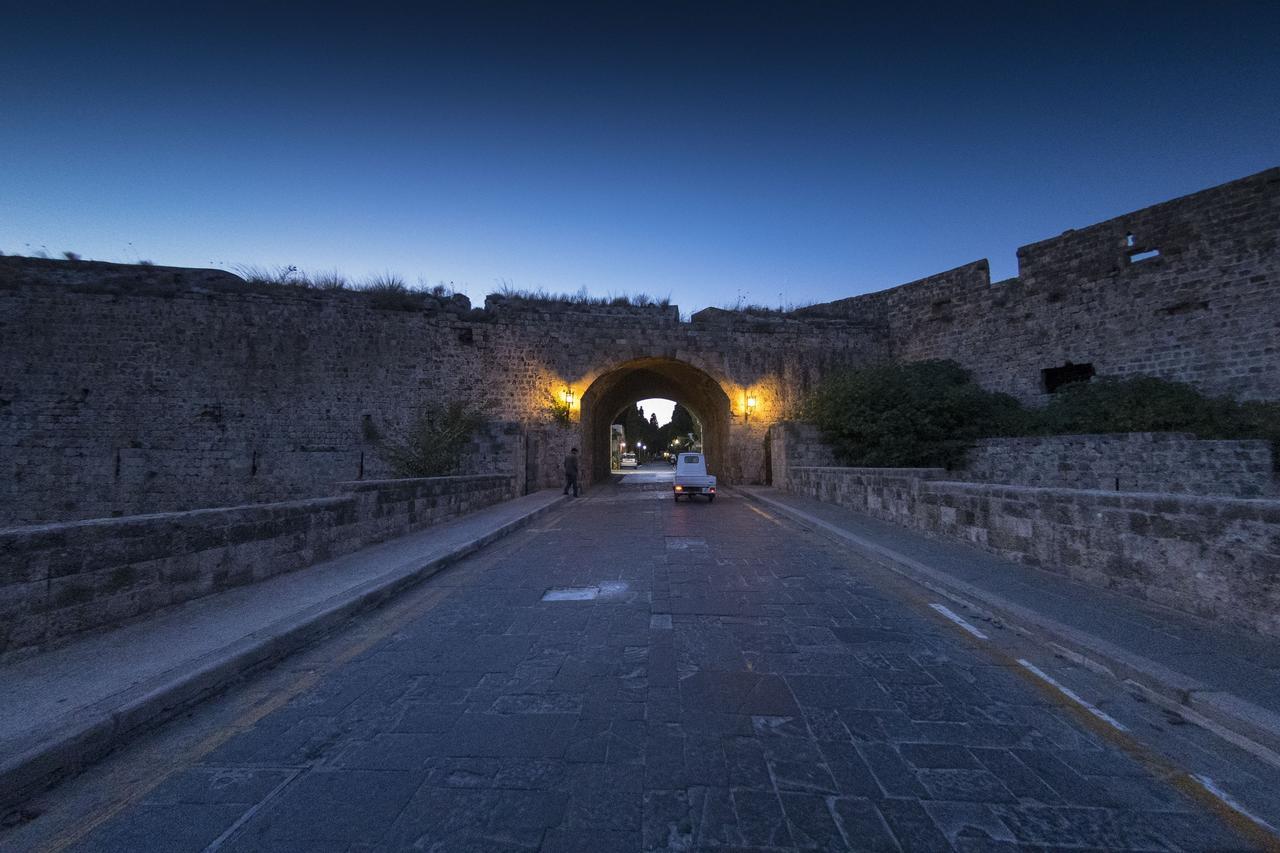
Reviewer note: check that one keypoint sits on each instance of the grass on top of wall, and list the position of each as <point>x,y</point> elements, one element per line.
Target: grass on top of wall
<point>581,297</point>
<point>757,310</point>
<point>387,289</point>
<point>292,276</point>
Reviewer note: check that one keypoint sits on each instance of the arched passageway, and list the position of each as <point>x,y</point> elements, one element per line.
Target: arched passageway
<point>643,378</point>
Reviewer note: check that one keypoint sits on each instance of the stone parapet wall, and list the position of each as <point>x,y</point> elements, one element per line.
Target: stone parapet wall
<point>1213,557</point>
<point>887,493</point>
<point>391,508</point>
<point>1128,462</point>
<point>58,580</point>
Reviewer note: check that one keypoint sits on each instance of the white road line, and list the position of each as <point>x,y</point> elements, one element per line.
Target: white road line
<point>947,612</point>
<point>232,830</point>
<point>1073,696</point>
<point>1212,787</point>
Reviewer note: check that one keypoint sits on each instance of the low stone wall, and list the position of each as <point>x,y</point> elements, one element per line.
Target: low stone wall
<point>57,580</point>
<point>1214,557</point>
<point>1127,462</point>
<point>390,508</point>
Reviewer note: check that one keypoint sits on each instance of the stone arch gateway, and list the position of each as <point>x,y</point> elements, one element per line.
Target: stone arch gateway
<point>637,379</point>
<point>132,389</point>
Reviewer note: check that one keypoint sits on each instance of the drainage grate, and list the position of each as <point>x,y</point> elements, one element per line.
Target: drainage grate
<point>571,593</point>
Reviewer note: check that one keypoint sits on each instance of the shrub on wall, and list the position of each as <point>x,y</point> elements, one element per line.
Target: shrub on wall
<point>1147,404</point>
<point>927,413</point>
<point>559,410</point>
<point>435,442</point>
<point>921,414</point>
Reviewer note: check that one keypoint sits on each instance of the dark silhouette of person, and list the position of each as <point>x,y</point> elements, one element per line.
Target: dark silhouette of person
<point>571,472</point>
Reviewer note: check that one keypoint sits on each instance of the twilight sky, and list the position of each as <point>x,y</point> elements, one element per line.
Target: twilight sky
<point>766,152</point>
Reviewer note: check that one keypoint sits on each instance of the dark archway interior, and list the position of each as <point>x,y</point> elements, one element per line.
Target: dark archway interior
<point>653,377</point>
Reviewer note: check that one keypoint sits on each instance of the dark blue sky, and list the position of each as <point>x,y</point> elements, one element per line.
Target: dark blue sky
<point>801,152</point>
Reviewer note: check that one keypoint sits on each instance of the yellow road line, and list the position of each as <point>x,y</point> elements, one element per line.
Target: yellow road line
<point>1160,768</point>
<point>763,514</point>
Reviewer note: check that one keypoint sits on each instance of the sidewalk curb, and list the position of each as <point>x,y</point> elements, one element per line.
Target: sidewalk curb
<point>35,762</point>
<point>1237,718</point>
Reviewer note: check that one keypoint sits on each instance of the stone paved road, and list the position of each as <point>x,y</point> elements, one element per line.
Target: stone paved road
<point>735,685</point>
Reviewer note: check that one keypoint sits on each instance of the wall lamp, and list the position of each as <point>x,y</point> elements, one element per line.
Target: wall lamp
<point>751,405</point>
<point>567,394</point>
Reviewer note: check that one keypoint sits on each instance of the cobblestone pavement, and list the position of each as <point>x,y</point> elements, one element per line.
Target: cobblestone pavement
<point>734,684</point>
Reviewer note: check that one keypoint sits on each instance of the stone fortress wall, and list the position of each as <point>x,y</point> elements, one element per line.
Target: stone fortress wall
<point>130,389</point>
<point>133,389</point>
<point>1204,310</point>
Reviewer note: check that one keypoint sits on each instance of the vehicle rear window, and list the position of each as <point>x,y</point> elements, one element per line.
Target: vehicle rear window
<point>692,459</point>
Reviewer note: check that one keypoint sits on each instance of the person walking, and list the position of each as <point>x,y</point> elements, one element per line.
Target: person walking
<point>571,472</point>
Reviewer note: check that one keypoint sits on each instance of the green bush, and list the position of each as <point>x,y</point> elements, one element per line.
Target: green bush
<point>558,409</point>
<point>434,443</point>
<point>1140,404</point>
<point>921,414</point>
<point>925,414</point>
<point>1147,404</point>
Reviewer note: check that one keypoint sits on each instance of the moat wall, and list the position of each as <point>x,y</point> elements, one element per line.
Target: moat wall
<point>132,389</point>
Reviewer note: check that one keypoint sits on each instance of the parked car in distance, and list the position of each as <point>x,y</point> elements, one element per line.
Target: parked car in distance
<point>628,461</point>
<point>692,478</point>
